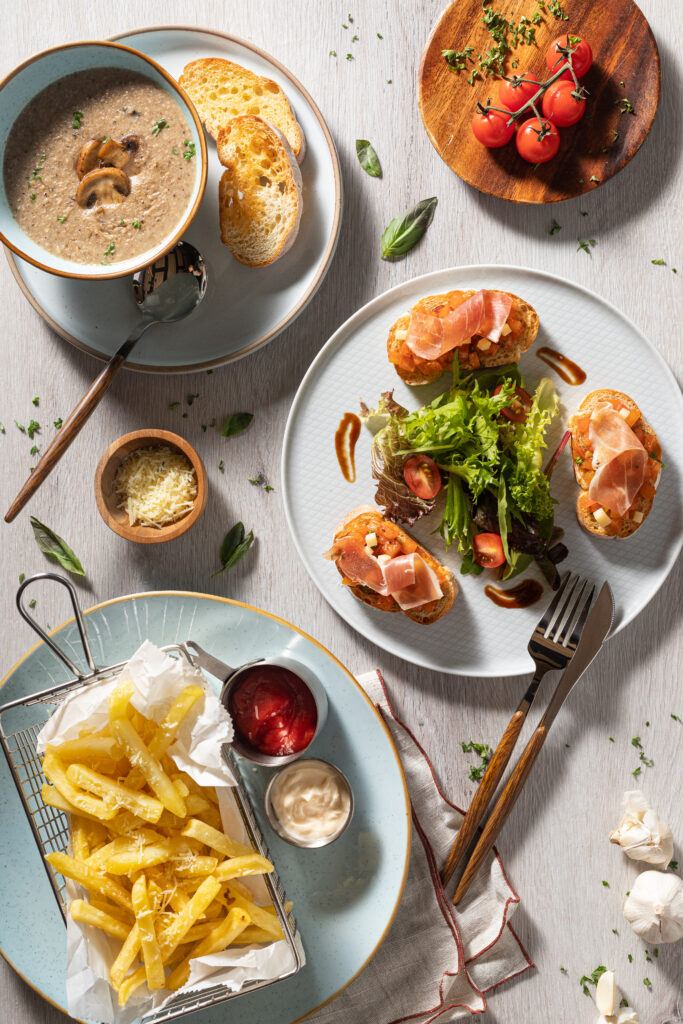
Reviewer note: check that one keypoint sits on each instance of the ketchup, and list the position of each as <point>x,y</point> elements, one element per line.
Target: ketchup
<point>273,710</point>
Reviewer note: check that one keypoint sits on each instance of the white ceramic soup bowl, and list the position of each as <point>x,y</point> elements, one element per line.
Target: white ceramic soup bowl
<point>38,72</point>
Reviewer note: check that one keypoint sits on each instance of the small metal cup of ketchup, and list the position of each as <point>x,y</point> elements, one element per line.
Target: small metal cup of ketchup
<point>278,707</point>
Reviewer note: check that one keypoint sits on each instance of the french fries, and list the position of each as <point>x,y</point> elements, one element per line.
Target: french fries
<point>147,846</point>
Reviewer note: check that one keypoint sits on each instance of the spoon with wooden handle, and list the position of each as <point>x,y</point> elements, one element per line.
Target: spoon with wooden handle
<point>166,291</point>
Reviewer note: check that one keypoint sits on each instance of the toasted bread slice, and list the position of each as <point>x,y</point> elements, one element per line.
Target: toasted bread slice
<point>221,90</point>
<point>636,515</point>
<point>523,323</point>
<point>367,519</point>
<point>259,194</point>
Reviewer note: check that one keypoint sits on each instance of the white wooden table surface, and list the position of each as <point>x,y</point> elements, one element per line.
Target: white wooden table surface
<point>555,845</point>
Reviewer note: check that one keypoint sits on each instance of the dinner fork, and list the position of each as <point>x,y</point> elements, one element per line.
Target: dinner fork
<point>552,646</point>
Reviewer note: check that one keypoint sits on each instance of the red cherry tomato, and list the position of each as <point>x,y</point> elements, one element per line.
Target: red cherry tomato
<point>488,550</point>
<point>514,94</point>
<point>563,105</point>
<point>518,409</point>
<point>422,476</point>
<point>492,129</point>
<point>582,55</point>
<point>538,141</point>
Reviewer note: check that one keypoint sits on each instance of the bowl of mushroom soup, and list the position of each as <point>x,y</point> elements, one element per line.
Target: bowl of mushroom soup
<point>103,160</point>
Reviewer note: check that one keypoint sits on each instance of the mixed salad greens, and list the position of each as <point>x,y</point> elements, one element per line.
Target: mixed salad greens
<point>481,442</point>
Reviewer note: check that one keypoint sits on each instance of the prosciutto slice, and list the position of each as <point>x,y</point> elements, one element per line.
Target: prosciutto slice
<point>484,313</point>
<point>407,578</point>
<point>619,461</point>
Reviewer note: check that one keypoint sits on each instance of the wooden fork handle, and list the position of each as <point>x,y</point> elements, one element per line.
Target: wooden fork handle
<point>485,790</point>
<point>71,428</point>
<point>504,804</point>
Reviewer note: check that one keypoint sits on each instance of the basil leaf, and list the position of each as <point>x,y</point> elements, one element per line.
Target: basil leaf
<point>368,159</point>
<point>55,548</point>
<point>402,233</point>
<point>235,545</point>
<point>236,423</point>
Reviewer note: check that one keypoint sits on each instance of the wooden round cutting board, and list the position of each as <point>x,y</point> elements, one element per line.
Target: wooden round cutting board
<point>625,66</point>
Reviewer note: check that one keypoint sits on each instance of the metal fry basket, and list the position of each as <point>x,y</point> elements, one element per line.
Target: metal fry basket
<point>20,722</point>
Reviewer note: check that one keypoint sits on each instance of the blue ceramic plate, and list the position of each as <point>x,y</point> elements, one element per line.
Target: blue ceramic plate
<point>344,896</point>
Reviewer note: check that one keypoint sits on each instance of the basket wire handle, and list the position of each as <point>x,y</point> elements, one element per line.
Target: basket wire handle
<point>37,628</point>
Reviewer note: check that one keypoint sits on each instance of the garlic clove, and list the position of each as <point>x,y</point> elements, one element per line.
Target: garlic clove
<point>654,907</point>
<point>626,1015</point>
<point>641,834</point>
<point>606,993</point>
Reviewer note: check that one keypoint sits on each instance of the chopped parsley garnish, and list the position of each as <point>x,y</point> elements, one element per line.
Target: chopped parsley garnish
<point>605,883</point>
<point>484,751</point>
<point>62,218</point>
<point>647,983</point>
<point>554,227</point>
<point>615,931</point>
<point>2,428</point>
<point>625,106</point>
<point>22,577</point>
<point>33,428</point>
<point>32,603</point>
<point>77,119</point>
<point>380,36</point>
<point>20,426</point>
<point>333,53</point>
<point>457,59</point>
<point>563,970</point>
<point>676,718</point>
<point>189,150</point>
<point>158,126</point>
<point>34,450</point>
<point>36,400</point>
<point>586,244</point>
<point>658,262</point>
<point>221,466</point>
<point>611,739</point>
<point>122,223</point>
<point>354,39</point>
<point>636,772</point>
<point>262,482</point>
<point>591,979</point>
<point>32,197</point>
<point>58,423</point>
<point>109,251</point>
<point>137,224</point>
<point>349,56</point>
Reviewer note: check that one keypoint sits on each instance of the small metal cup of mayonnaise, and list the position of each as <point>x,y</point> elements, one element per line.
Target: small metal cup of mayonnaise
<point>309,803</point>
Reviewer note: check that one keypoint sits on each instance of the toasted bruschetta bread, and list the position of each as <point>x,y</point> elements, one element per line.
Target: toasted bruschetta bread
<point>641,474</point>
<point>518,334</point>
<point>221,90</point>
<point>365,532</point>
<point>259,194</point>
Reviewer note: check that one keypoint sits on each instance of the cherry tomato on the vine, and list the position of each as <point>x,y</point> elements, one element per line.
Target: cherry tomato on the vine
<point>538,141</point>
<point>582,55</point>
<point>514,93</point>
<point>491,128</point>
<point>563,105</point>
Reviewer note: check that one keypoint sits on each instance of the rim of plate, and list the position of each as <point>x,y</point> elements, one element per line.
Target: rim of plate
<point>325,262</point>
<point>316,643</point>
<point>161,248</point>
<point>363,314</point>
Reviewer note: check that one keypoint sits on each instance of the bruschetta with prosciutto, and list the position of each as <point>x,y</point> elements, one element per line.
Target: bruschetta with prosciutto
<point>485,328</point>
<point>617,463</point>
<point>381,565</point>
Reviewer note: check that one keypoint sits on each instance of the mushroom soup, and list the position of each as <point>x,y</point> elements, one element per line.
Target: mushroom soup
<point>100,166</point>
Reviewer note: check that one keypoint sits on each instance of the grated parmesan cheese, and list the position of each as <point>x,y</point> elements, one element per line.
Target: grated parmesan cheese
<point>156,486</point>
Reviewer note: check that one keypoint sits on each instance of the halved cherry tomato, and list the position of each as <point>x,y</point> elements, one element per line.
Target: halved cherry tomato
<point>518,409</point>
<point>515,93</point>
<point>422,476</point>
<point>563,105</point>
<point>538,141</point>
<point>491,128</point>
<point>488,550</point>
<point>582,55</point>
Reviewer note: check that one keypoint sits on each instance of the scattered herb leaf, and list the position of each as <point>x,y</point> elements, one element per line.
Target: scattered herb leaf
<point>158,126</point>
<point>235,544</point>
<point>33,428</point>
<point>261,481</point>
<point>189,150</point>
<point>58,423</point>
<point>672,865</point>
<point>137,224</point>
<point>484,751</point>
<point>591,979</point>
<point>368,159</point>
<point>56,549</point>
<point>77,119</point>
<point>402,233</point>
<point>109,251</point>
<point>586,244</point>
<point>235,423</point>
<point>221,466</point>
<point>554,228</point>
<point>658,262</point>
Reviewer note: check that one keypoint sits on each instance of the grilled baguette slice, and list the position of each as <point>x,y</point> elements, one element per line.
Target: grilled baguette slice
<point>221,90</point>
<point>367,519</point>
<point>259,194</point>
<point>415,370</point>
<point>626,526</point>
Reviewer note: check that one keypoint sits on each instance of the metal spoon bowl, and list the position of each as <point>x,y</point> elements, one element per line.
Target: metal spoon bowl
<point>166,291</point>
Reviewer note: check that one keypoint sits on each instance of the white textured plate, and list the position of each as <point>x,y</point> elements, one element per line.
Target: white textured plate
<point>477,638</point>
<point>244,307</point>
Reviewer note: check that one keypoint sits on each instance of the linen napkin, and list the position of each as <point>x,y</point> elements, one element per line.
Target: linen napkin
<point>437,963</point>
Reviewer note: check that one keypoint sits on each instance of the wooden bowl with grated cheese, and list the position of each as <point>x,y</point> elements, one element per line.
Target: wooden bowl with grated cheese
<point>150,486</point>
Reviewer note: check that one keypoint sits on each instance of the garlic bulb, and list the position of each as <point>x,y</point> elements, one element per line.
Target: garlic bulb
<point>654,907</point>
<point>641,834</point>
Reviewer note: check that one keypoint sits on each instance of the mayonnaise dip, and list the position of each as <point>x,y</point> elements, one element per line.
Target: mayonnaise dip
<point>311,802</point>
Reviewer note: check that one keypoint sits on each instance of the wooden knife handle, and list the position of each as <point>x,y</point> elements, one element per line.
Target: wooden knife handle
<point>504,804</point>
<point>485,790</point>
<point>71,428</point>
